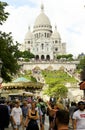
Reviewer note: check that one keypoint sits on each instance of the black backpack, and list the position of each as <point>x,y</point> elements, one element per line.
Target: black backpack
<point>43,108</point>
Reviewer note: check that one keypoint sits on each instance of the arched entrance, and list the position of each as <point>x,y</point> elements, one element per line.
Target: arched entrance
<point>42,57</point>
<point>47,57</point>
<point>37,57</point>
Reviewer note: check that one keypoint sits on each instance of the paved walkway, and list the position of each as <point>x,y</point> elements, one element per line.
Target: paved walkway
<point>46,126</point>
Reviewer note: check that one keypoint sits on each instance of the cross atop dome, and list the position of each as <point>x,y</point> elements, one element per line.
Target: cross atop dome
<point>29,28</point>
<point>42,8</point>
<point>56,27</point>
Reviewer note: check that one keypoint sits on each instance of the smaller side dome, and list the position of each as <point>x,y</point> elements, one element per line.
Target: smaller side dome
<point>56,34</point>
<point>29,34</point>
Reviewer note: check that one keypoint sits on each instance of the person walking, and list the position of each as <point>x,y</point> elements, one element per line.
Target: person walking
<point>24,111</point>
<point>61,120</point>
<point>4,117</point>
<point>41,107</point>
<point>79,117</point>
<point>32,117</point>
<point>72,108</point>
<point>16,116</point>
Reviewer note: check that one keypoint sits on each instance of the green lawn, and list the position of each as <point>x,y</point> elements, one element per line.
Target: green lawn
<point>57,76</point>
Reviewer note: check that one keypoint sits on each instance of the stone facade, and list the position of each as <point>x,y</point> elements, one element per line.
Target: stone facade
<point>43,42</point>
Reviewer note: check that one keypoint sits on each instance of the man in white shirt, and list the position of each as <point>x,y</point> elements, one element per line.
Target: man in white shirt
<point>79,117</point>
<point>16,116</point>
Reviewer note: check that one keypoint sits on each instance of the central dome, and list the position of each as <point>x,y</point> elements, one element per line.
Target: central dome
<point>42,21</point>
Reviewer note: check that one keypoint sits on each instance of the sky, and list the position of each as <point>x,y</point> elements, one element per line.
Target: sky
<point>67,15</point>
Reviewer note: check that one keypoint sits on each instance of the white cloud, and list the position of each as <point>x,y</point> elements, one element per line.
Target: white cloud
<point>68,15</point>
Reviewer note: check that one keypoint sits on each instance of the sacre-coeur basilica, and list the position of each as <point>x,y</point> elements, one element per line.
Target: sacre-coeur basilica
<point>43,42</point>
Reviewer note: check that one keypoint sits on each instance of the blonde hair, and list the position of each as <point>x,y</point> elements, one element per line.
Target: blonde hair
<point>60,106</point>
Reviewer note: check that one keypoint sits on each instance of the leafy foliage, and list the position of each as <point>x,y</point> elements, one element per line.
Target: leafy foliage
<point>27,55</point>
<point>81,64</point>
<point>33,79</point>
<point>7,50</point>
<point>3,14</point>
<point>59,90</point>
<point>56,81</point>
<point>68,57</point>
<point>81,67</point>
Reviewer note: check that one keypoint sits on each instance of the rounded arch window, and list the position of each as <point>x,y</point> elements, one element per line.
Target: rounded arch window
<point>37,57</point>
<point>56,41</point>
<point>42,57</point>
<point>47,57</point>
<point>56,49</point>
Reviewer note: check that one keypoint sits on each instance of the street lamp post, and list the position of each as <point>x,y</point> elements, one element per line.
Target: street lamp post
<point>0,76</point>
<point>0,72</point>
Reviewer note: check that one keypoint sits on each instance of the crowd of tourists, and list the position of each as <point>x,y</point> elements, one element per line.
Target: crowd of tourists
<point>30,114</point>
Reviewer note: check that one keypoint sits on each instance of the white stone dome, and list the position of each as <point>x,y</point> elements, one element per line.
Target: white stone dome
<point>42,21</point>
<point>56,34</point>
<point>29,34</point>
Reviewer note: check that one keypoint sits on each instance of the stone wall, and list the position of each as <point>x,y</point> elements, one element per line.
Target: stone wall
<point>51,65</point>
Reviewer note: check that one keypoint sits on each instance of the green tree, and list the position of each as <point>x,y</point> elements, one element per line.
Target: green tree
<point>27,55</point>
<point>81,64</point>
<point>7,49</point>
<point>59,57</point>
<point>58,90</point>
<point>18,54</point>
<point>9,52</point>
<point>81,68</point>
<point>3,14</point>
<point>80,56</point>
<point>67,57</point>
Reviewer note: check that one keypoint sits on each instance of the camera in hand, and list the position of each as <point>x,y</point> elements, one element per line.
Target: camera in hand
<point>53,100</point>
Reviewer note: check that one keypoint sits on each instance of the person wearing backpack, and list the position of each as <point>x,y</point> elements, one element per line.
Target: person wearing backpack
<point>41,105</point>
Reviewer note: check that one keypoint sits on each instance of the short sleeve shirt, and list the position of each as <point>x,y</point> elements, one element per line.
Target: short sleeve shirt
<point>80,118</point>
<point>16,113</point>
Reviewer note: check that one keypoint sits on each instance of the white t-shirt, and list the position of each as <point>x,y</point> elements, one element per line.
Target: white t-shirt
<point>16,113</point>
<point>80,117</point>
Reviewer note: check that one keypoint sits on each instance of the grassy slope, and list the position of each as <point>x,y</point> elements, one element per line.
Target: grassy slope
<point>57,76</point>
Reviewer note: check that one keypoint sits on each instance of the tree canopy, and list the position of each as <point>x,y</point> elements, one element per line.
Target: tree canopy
<point>81,64</point>
<point>81,67</point>
<point>25,55</point>
<point>68,57</point>
<point>3,14</point>
<point>7,48</point>
<point>9,52</point>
